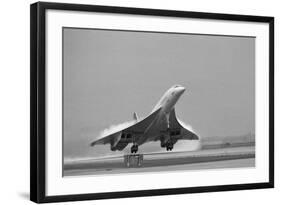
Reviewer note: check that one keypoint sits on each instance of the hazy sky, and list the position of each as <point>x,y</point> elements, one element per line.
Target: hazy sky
<point>108,75</point>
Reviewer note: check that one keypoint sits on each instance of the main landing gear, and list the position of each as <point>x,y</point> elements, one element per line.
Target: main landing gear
<point>134,148</point>
<point>169,146</point>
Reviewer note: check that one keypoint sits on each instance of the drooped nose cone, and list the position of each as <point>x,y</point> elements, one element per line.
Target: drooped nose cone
<point>181,90</point>
<point>178,89</point>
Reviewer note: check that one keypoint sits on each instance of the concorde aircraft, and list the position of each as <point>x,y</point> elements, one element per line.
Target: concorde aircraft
<point>161,125</point>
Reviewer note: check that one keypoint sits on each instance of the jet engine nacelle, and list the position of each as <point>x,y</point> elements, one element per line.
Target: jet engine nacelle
<point>117,143</point>
<point>169,139</point>
<point>115,140</point>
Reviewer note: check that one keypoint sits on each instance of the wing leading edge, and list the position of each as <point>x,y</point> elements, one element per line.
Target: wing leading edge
<point>184,133</point>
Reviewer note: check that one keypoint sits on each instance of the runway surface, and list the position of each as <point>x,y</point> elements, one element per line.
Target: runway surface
<point>233,157</point>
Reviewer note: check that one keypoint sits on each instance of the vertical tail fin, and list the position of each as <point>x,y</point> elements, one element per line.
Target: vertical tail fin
<point>136,116</point>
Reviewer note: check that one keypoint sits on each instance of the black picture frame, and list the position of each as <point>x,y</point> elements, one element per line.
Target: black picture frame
<point>38,101</point>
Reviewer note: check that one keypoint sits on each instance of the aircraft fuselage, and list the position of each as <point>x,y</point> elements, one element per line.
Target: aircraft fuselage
<point>167,102</point>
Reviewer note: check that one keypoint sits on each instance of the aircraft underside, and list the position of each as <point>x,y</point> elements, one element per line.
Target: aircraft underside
<point>167,140</point>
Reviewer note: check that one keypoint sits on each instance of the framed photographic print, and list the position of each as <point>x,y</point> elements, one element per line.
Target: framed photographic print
<point>129,102</point>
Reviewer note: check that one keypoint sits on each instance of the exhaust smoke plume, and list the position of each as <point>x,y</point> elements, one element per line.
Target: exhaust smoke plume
<point>115,128</point>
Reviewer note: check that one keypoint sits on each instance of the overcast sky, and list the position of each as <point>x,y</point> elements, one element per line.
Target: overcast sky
<point>108,75</point>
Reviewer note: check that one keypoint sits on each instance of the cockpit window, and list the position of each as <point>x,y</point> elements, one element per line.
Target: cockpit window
<point>176,86</point>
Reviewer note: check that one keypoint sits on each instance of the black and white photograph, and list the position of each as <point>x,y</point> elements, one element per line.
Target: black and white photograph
<point>133,102</point>
<point>138,101</point>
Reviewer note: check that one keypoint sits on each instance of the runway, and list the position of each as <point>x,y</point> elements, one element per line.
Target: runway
<point>232,157</point>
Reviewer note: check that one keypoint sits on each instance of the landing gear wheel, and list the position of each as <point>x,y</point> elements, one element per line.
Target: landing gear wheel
<point>169,147</point>
<point>134,149</point>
